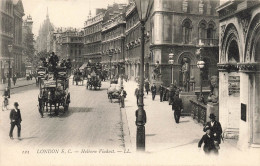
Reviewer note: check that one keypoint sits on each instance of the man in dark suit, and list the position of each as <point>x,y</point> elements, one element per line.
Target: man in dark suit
<point>153,90</point>
<point>215,128</point>
<point>177,107</point>
<point>122,97</point>
<point>208,141</point>
<point>161,90</point>
<point>15,117</point>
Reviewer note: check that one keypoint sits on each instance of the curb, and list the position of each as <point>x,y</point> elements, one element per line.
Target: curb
<point>20,86</point>
<point>126,131</point>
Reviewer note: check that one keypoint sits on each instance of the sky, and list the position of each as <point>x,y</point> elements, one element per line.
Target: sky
<point>63,13</point>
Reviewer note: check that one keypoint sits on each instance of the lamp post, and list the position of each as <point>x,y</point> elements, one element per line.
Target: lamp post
<point>10,49</point>
<point>110,56</point>
<point>143,8</point>
<point>200,65</point>
<point>171,61</point>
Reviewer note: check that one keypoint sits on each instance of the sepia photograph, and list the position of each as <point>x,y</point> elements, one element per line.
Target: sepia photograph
<point>130,82</point>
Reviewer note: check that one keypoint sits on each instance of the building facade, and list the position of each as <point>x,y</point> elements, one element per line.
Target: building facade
<point>92,37</point>
<point>133,41</point>
<point>182,27</point>
<point>11,34</point>
<point>71,42</point>
<point>113,37</point>
<point>239,71</point>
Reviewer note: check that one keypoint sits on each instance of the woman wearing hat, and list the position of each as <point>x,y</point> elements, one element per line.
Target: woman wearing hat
<point>15,117</point>
<point>216,129</point>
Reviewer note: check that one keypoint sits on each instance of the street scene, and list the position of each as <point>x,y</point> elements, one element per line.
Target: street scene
<point>130,82</point>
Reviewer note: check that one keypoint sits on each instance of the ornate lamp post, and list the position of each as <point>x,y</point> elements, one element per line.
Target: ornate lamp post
<point>143,8</point>
<point>10,49</point>
<point>200,65</point>
<point>171,61</point>
<point>110,56</point>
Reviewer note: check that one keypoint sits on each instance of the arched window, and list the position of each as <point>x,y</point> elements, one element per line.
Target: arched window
<point>202,30</point>
<point>211,31</point>
<point>186,31</point>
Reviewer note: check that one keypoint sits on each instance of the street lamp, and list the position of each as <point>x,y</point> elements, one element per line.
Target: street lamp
<point>110,56</point>
<point>200,65</point>
<point>143,8</point>
<point>10,49</point>
<point>171,61</point>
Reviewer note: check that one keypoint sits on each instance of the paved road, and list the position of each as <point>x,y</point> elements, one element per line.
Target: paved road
<point>91,122</point>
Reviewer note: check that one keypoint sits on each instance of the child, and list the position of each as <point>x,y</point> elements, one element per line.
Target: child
<point>208,140</point>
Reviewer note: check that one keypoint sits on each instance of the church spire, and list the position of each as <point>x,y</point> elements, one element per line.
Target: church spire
<point>47,16</point>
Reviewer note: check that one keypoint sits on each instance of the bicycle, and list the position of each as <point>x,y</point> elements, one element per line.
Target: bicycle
<point>5,103</point>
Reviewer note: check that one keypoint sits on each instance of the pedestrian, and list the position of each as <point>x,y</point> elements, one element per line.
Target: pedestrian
<point>40,105</point>
<point>4,79</point>
<point>137,94</point>
<point>14,79</point>
<point>177,107</point>
<point>16,119</point>
<point>216,129</point>
<point>161,90</point>
<point>153,90</point>
<point>208,141</point>
<point>122,97</point>
<point>147,86</point>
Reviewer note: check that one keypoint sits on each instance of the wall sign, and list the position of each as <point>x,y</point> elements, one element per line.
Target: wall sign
<point>233,85</point>
<point>243,112</point>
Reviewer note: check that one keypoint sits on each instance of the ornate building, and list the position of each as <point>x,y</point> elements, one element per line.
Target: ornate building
<point>71,42</point>
<point>239,71</point>
<point>11,34</point>
<point>113,37</point>
<point>133,41</point>
<point>92,37</point>
<point>181,27</point>
<point>44,31</point>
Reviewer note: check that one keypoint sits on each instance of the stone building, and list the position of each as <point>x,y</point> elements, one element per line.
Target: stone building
<point>133,41</point>
<point>181,27</point>
<point>11,34</point>
<point>44,31</point>
<point>92,37</point>
<point>113,37</point>
<point>239,71</point>
<point>71,42</point>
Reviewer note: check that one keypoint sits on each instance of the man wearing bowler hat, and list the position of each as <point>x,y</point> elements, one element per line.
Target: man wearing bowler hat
<point>15,117</point>
<point>215,128</point>
<point>177,107</point>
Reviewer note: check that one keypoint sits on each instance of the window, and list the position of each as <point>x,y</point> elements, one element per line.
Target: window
<point>186,31</point>
<point>202,30</point>
<point>210,31</point>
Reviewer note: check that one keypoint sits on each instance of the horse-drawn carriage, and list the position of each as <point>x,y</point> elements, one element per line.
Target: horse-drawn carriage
<point>113,92</point>
<point>54,92</point>
<point>93,81</point>
<point>78,77</point>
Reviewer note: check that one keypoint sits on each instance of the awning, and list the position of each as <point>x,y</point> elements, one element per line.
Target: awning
<point>83,66</point>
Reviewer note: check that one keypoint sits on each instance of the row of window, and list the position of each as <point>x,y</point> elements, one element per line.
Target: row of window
<point>93,29</point>
<point>93,48</point>
<point>111,45</point>
<point>132,21</point>
<point>7,24</point>
<point>133,35</point>
<point>92,38</point>
<point>18,31</point>
<point>114,33</point>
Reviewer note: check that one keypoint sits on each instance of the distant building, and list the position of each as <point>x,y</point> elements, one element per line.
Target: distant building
<point>44,31</point>
<point>113,38</point>
<point>239,72</point>
<point>27,33</point>
<point>92,37</point>
<point>12,12</point>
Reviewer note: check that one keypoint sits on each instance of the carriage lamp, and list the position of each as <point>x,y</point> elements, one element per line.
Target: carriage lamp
<point>143,9</point>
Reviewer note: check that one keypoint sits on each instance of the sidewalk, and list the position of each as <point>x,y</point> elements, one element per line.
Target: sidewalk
<point>19,83</point>
<point>163,135</point>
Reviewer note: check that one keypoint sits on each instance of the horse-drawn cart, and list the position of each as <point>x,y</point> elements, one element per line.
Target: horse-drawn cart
<point>55,93</point>
<point>113,92</point>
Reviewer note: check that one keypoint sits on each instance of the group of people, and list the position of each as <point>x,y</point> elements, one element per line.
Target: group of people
<point>212,129</point>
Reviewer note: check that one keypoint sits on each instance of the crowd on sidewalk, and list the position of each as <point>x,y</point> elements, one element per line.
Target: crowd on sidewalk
<point>210,135</point>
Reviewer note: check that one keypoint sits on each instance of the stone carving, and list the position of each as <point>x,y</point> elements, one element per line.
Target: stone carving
<point>244,21</point>
<point>185,74</point>
<point>223,27</point>
<point>213,97</point>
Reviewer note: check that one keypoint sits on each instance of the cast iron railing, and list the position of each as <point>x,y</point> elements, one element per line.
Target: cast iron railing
<point>199,112</point>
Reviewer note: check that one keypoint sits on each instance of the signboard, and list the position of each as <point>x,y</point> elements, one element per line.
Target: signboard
<point>233,85</point>
<point>243,112</point>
